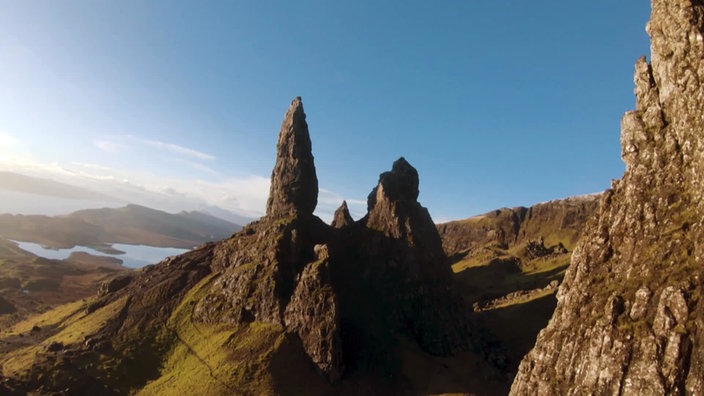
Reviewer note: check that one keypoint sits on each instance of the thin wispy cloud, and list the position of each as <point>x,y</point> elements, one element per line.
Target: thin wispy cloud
<point>200,167</point>
<point>108,145</point>
<point>172,148</point>
<point>244,195</point>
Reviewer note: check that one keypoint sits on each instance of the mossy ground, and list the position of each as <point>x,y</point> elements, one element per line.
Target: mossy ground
<point>209,359</point>
<point>67,324</point>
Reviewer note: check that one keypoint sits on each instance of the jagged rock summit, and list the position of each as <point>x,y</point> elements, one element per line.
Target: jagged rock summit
<point>294,184</point>
<point>287,305</point>
<point>342,216</point>
<point>312,279</point>
<point>630,315</point>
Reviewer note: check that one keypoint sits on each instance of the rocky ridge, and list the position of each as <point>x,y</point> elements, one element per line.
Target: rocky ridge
<point>286,292</point>
<point>293,270</point>
<point>629,313</point>
<point>558,221</point>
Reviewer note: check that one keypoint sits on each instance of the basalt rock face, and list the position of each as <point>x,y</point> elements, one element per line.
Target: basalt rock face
<point>294,184</point>
<point>315,298</point>
<point>342,216</point>
<point>555,220</point>
<point>345,290</point>
<point>401,241</point>
<point>629,318</point>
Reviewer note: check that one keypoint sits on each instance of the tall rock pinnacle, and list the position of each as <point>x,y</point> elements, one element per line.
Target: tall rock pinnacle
<point>294,184</point>
<point>342,217</point>
<point>630,315</point>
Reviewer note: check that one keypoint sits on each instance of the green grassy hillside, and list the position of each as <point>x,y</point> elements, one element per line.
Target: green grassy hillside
<point>508,264</point>
<point>31,284</point>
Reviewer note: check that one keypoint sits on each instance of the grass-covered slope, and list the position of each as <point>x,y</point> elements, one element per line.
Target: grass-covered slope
<point>143,339</point>
<point>31,284</point>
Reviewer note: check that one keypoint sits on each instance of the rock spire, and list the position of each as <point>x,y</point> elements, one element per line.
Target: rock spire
<point>333,287</point>
<point>342,216</point>
<point>294,184</point>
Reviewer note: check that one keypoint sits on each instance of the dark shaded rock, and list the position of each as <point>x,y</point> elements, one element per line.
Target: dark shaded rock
<point>508,227</point>
<point>313,315</point>
<point>294,184</point>
<point>343,291</point>
<point>630,316</point>
<point>114,284</point>
<point>402,247</point>
<point>6,307</point>
<point>54,347</point>
<point>399,184</point>
<point>536,248</point>
<point>11,387</point>
<point>260,270</point>
<point>342,216</point>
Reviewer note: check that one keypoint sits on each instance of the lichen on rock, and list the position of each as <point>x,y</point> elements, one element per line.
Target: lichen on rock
<point>629,315</point>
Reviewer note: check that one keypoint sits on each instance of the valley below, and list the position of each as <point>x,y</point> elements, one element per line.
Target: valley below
<point>48,261</point>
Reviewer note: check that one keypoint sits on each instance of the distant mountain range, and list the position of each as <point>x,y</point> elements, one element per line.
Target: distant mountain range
<point>23,194</point>
<point>132,224</point>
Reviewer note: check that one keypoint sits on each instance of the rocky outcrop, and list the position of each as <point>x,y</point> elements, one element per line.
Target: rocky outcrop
<point>629,318</point>
<point>294,184</point>
<point>114,284</point>
<point>341,288</point>
<point>402,241</point>
<point>561,219</point>
<point>287,290</point>
<point>535,248</point>
<point>314,316</point>
<point>342,217</point>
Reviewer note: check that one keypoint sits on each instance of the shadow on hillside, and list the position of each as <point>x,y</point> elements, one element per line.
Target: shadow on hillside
<point>503,335</point>
<point>503,276</point>
<point>512,330</point>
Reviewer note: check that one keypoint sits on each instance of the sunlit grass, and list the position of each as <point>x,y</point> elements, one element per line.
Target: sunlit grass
<point>214,359</point>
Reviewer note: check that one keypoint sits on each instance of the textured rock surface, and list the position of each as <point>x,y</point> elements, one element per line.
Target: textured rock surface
<point>313,315</point>
<point>629,314</point>
<point>560,219</point>
<point>344,288</point>
<point>342,216</point>
<point>271,308</point>
<point>402,241</point>
<point>294,184</point>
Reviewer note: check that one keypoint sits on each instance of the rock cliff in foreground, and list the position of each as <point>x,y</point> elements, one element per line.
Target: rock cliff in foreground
<point>629,318</point>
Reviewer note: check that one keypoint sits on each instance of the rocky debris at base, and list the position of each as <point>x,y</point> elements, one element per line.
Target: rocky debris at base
<point>517,296</point>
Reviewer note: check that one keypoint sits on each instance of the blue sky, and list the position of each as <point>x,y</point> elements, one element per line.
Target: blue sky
<point>496,103</point>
